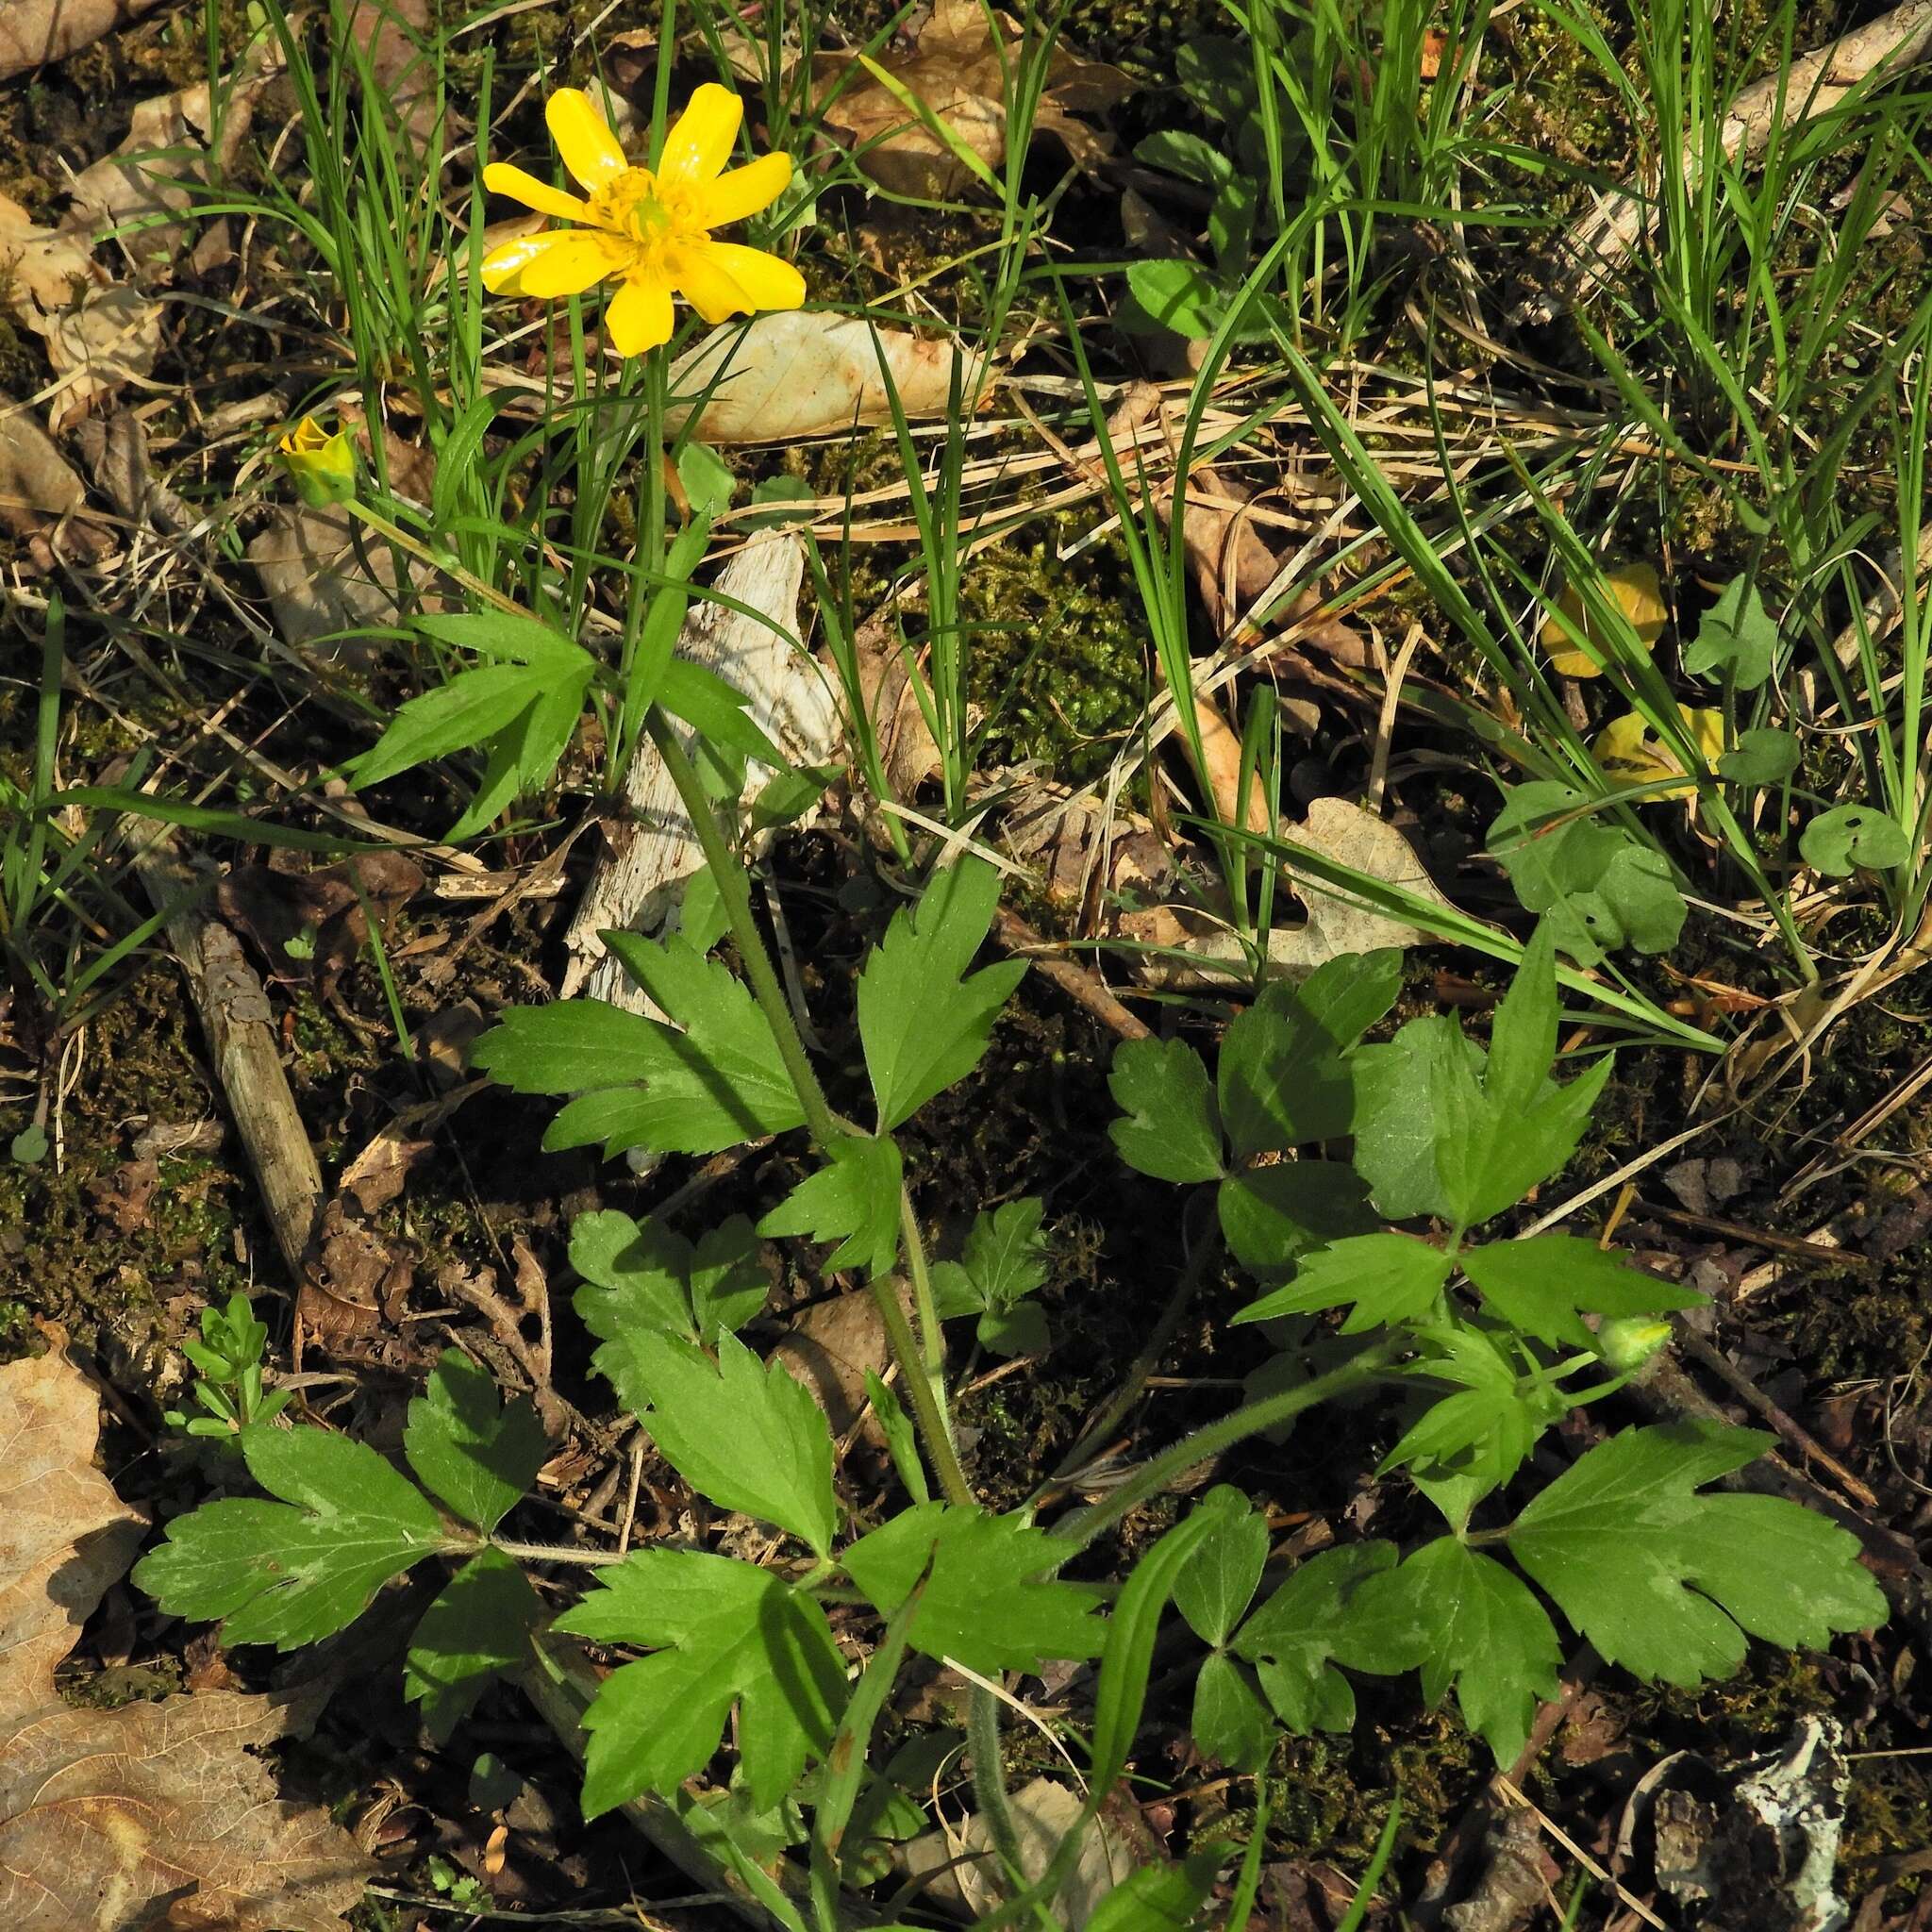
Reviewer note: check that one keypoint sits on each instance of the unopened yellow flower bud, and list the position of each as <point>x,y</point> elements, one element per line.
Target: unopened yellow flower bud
<point>1627,1341</point>
<point>321,465</point>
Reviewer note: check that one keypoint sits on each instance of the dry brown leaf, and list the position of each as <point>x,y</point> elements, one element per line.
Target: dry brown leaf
<point>958,70</point>
<point>34,32</point>
<point>1341,832</point>
<point>391,34</point>
<point>313,923</point>
<point>154,1812</point>
<point>794,374</point>
<point>323,581</point>
<point>830,1348</point>
<point>152,172</point>
<point>98,333</point>
<point>38,489</point>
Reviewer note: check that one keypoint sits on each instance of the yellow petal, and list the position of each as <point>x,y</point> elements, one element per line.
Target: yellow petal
<point>721,279</point>
<point>503,267</point>
<point>742,191</point>
<point>1635,590</point>
<point>589,148</point>
<point>701,138</point>
<point>566,261</point>
<point>501,179</point>
<point>639,317</point>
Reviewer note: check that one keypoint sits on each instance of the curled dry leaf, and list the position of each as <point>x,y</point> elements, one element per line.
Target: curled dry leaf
<point>1345,835</point>
<point>154,1812</point>
<point>35,32</point>
<point>41,497</point>
<point>956,71</point>
<point>798,374</point>
<point>315,922</point>
<point>98,333</point>
<point>150,179</point>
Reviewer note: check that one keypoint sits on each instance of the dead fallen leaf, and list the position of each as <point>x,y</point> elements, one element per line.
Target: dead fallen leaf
<point>1341,832</point>
<point>795,374</point>
<point>35,32</point>
<point>150,179</point>
<point>115,445</point>
<point>379,1174</point>
<point>830,1347</point>
<point>956,71</point>
<point>155,1814</point>
<point>354,1283</point>
<point>1043,1813</point>
<point>321,582</point>
<point>391,34</point>
<point>37,489</point>
<point>319,913</point>
<point>98,333</point>
<point>122,1197</point>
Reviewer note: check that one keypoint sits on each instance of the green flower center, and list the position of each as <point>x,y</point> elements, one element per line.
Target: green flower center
<point>636,204</point>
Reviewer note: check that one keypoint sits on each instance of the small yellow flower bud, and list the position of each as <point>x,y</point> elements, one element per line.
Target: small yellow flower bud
<point>1627,1341</point>
<point>321,465</point>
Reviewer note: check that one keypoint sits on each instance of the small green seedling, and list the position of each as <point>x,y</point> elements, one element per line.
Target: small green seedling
<point>229,1386</point>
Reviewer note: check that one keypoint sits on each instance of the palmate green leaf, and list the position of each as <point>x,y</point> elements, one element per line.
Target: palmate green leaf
<point>1667,1581</point>
<point>717,1083</point>
<point>1284,1077</point>
<point>1441,1130</point>
<point>1387,1277</point>
<point>477,1630</point>
<point>1763,756</point>
<point>648,1279</point>
<point>1219,1581</point>
<point>297,1570</point>
<point>1169,1126</point>
<point>1473,1628</point>
<point>1230,1720</point>
<point>1298,1636</point>
<point>741,1431</point>
<point>478,1455</point>
<point>724,1634</point>
<point>1001,1265</point>
<point>984,1605</point>
<point>1485,1432</point>
<point>1543,1286</point>
<point>1849,836</point>
<point>853,1200</point>
<point>925,1021</point>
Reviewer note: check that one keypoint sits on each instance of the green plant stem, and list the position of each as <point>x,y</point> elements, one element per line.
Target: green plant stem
<point>556,1553</point>
<point>1083,1526</point>
<point>931,1343</point>
<point>729,875</point>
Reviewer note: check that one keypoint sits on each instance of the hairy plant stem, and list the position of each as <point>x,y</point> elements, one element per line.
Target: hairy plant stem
<point>1083,1526</point>
<point>823,1124</point>
<point>555,1553</point>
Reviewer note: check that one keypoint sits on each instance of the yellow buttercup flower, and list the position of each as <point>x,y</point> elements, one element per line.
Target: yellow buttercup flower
<point>321,465</point>
<point>648,229</point>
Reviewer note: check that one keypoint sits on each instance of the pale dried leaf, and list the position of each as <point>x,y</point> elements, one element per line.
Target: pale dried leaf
<point>323,583</point>
<point>154,1812</point>
<point>35,32</point>
<point>38,488</point>
<point>958,70</point>
<point>795,374</point>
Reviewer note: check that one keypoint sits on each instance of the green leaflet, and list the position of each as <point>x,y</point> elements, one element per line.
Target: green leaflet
<point>724,1634</point>
<point>1667,1581</point>
<point>643,1084</point>
<point>477,1630</point>
<point>1389,1278</point>
<point>1297,1637</point>
<point>925,1021</point>
<point>294,1572</point>
<point>648,1279</point>
<point>740,1430</point>
<point>1473,1628</point>
<point>1539,1286</point>
<point>852,1201</point>
<point>480,1457</point>
<point>1219,1581</point>
<point>983,1606</point>
<point>1168,1124</point>
<point>1003,1262</point>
